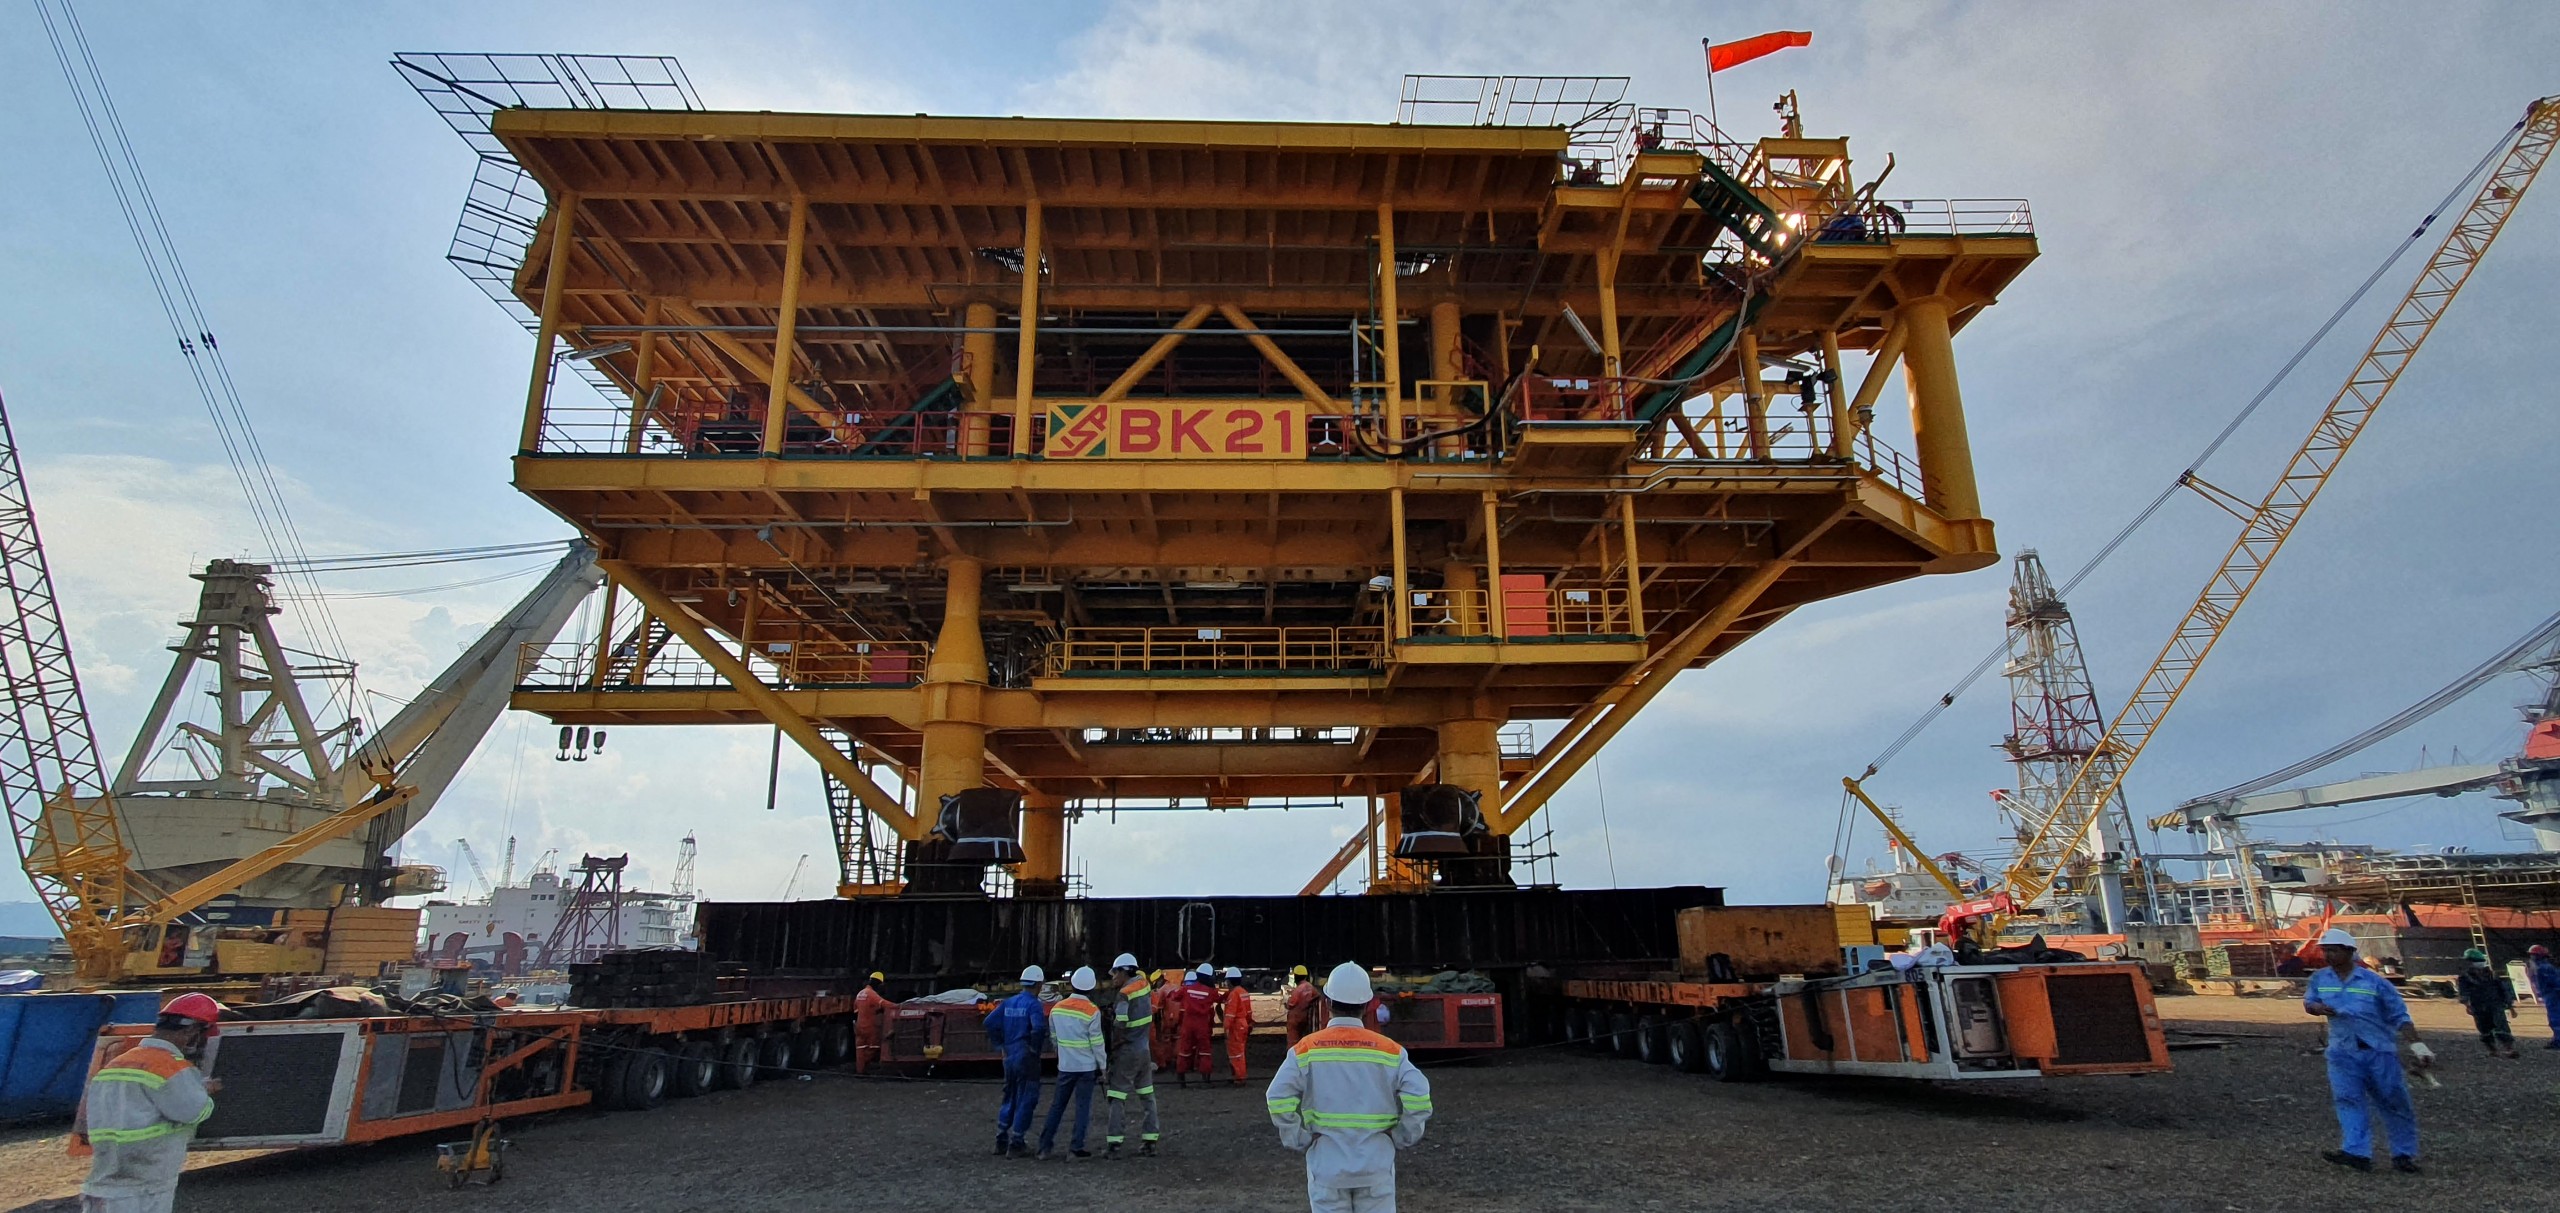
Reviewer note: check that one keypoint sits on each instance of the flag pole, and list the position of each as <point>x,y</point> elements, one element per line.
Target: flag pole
<point>1708,45</point>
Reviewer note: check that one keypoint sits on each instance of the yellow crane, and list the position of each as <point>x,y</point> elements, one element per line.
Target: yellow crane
<point>2264,527</point>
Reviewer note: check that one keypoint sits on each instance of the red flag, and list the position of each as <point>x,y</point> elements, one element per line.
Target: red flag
<point>1735,54</point>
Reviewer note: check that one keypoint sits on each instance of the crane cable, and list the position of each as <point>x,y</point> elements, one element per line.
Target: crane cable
<point>178,302</point>
<point>2513,657</point>
<point>2187,474</point>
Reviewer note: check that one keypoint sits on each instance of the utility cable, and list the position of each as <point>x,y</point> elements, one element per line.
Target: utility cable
<point>176,293</point>
<point>2187,474</point>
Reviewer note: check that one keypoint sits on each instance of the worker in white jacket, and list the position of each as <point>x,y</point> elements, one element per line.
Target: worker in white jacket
<point>141,1110</point>
<point>1349,1098</point>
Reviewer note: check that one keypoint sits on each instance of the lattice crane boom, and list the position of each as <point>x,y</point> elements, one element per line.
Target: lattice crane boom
<point>2266,526</point>
<point>55,789</point>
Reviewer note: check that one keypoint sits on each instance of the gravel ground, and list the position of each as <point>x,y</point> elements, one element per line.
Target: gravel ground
<point>2236,1127</point>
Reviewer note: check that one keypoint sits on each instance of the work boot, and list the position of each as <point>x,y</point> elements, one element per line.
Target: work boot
<point>1044,1155</point>
<point>2555,1043</point>
<point>1146,1149</point>
<point>2404,1164</point>
<point>1002,1147</point>
<point>2344,1159</point>
<point>1019,1151</point>
<point>1079,1156</point>
<point>1111,1153</point>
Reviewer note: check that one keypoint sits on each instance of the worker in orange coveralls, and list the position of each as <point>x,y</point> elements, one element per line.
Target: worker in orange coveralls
<point>1199,1015</point>
<point>1168,1002</point>
<point>1299,1016</point>
<point>870,1017</point>
<point>1238,1012</point>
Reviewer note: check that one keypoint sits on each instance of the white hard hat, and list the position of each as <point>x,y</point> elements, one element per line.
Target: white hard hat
<point>1234,973</point>
<point>1082,978</point>
<point>1033,975</point>
<point>1125,961</point>
<point>1347,984</point>
<point>2337,937</point>
<point>1205,971</point>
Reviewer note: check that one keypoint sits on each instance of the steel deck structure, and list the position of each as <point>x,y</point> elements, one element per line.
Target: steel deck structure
<point>1209,463</point>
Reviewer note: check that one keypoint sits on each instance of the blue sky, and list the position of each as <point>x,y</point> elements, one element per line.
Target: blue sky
<point>2207,183</point>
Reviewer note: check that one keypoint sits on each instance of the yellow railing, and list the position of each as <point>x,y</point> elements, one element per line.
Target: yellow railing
<point>1091,652</point>
<point>1528,613</point>
<point>576,666</point>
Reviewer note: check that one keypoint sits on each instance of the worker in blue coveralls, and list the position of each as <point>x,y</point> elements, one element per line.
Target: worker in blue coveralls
<point>1020,1026</point>
<point>2367,1021</point>
<point>2544,977</point>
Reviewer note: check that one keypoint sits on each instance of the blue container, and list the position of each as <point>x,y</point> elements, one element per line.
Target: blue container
<point>45,1043</point>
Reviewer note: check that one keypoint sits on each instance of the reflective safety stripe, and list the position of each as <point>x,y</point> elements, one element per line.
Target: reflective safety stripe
<point>1151,1137</point>
<point>1115,1094</point>
<point>1139,1022</point>
<point>1113,1139</point>
<point>1352,1120</point>
<point>131,1135</point>
<point>1371,1056</point>
<point>1415,1103</point>
<point>140,1077</point>
<point>1146,1090</point>
<point>1281,1107</point>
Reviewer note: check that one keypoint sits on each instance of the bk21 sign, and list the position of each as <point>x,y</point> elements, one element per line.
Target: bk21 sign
<point>1124,429</point>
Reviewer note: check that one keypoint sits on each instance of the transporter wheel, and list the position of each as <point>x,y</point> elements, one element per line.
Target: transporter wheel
<point>1652,1047</point>
<point>808,1048</point>
<point>602,1069</point>
<point>1622,1034</point>
<point>1688,1049</point>
<point>773,1055</point>
<point>644,1080</point>
<point>693,1068</point>
<point>839,1043</point>
<point>1732,1056</point>
<point>738,1063</point>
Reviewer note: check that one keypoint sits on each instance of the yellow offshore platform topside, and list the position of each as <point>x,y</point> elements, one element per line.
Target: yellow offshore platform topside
<point>1220,462</point>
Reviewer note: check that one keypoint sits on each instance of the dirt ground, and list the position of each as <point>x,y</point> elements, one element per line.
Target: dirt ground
<point>2235,1127</point>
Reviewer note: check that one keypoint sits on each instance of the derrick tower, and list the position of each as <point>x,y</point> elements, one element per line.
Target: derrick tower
<point>2055,723</point>
<point>1204,463</point>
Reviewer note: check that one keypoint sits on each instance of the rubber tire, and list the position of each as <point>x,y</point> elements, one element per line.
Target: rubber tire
<point>1687,1047</point>
<point>1729,1056</point>
<point>839,1047</point>
<point>693,1069</point>
<point>738,1063</point>
<point>644,1080</point>
<point>773,1055</point>
<point>1652,1048</point>
<point>1622,1035</point>
<point>1595,1032</point>
<point>808,1049</point>
<point>607,1077</point>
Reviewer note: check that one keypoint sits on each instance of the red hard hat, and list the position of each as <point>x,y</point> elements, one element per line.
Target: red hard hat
<point>2537,950</point>
<point>199,1008</point>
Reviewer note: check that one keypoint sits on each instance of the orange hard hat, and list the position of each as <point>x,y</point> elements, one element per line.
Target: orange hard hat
<point>198,1007</point>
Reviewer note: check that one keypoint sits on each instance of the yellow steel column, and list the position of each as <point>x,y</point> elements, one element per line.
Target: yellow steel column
<point>555,287</point>
<point>1755,404</point>
<point>1043,872</point>
<point>642,378</point>
<point>1471,758</point>
<point>1447,367</point>
<point>1841,423</point>
<point>1496,600</point>
<point>1030,328</point>
<point>955,682</point>
<point>1466,612</point>
<point>777,397</point>
<point>604,631</point>
<point>1400,618</point>
<point>1937,409</point>
<point>1635,576</point>
<point>1390,334</point>
<point>1609,353</point>
<point>978,420</point>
